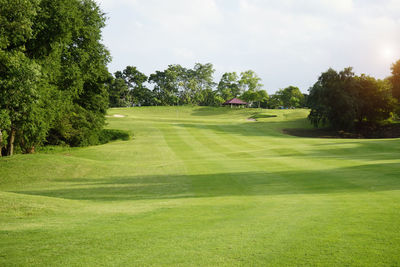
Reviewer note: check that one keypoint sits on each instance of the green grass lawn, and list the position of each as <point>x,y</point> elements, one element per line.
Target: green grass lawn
<point>204,186</point>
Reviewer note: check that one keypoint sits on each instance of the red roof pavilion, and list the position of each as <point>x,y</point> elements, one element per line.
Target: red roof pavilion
<point>235,101</point>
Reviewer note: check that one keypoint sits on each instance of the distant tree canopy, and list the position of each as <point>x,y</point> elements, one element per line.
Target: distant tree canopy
<point>52,73</point>
<point>290,97</point>
<point>178,85</point>
<point>345,101</point>
<point>228,86</point>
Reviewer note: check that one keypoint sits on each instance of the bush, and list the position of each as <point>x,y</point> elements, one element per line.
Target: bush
<point>107,135</point>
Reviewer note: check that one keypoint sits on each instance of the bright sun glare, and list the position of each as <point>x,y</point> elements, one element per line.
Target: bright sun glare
<point>387,53</point>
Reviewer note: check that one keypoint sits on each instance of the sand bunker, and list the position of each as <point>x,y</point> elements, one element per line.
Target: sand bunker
<point>118,116</point>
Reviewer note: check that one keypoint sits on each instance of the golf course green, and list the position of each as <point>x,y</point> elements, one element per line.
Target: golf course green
<point>203,186</point>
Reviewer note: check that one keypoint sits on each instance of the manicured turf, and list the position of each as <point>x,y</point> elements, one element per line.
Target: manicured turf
<point>204,186</point>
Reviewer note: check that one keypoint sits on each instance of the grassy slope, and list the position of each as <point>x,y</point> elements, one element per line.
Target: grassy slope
<point>204,186</point>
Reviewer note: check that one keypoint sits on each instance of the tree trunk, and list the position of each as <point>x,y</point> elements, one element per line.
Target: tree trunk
<point>10,149</point>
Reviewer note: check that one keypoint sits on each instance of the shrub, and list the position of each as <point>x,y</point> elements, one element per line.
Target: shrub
<point>107,135</point>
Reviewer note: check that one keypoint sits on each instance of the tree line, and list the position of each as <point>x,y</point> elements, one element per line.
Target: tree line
<point>177,85</point>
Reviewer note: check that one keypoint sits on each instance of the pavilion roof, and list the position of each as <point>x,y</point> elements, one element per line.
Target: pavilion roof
<point>236,101</point>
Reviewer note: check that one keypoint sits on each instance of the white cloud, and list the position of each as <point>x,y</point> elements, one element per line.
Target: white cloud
<point>184,53</point>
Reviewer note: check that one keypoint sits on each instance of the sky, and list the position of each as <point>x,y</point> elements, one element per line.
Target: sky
<point>286,42</point>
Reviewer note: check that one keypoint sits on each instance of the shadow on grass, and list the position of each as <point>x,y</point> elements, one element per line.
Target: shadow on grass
<point>372,149</point>
<point>259,128</point>
<point>378,177</point>
<point>263,116</point>
<point>207,111</point>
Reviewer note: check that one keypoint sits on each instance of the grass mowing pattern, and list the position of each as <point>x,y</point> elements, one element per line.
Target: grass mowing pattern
<point>204,186</point>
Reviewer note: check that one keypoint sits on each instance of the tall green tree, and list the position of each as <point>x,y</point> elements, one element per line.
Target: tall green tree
<point>395,80</point>
<point>68,44</point>
<point>331,101</point>
<point>186,86</point>
<point>345,101</point>
<point>249,96</point>
<point>21,97</point>
<point>290,97</point>
<point>165,86</point>
<point>138,92</point>
<point>204,75</point>
<point>261,96</point>
<point>228,86</point>
<point>374,100</point>
<point>52,71</point>
<point>118,92</point>
<point>249,81</point>
<point>211,98</point>
<point>192,82</point>
<point>275,101</point>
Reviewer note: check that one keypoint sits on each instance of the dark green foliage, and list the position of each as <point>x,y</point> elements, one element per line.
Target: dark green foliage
<point>228,86</point>
<point>194,84</point>
<point>290,97</point>
<point>165,86</point>
<point>211,98</point>
<point>261,98</point>
<point>179,85</point>
<point>52,71</point>
<point>250,86</point>
<point>373,99</point>
<point>107,135</point>
<point>128,89</point>
<point>78,127</point>
<point>118,92</point>
<point>22,105</point>
<point>84,72</point>
<point>247,87</point>
<point>138,93</point>
<point>249,81</point>
<point>395,81</point>
<point>345,101</point>
<point>249,96</point>
<point>274,102</point>
<point>5,123</point>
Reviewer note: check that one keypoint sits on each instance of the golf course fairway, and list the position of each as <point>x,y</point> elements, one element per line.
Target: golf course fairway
<point>202,186</point>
